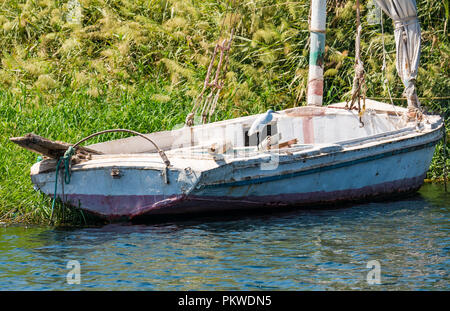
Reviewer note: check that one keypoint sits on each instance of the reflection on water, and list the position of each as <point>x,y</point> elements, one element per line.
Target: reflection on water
<point>300,250</point>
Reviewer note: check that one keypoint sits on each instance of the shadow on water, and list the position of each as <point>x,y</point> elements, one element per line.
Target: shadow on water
<point>268,213</point>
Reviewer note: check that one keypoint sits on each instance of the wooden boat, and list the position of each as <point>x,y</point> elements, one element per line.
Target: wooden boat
<point>305,156</point>
<point>324,155</point>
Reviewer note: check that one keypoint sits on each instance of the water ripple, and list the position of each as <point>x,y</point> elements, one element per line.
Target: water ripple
<point>301,250</point>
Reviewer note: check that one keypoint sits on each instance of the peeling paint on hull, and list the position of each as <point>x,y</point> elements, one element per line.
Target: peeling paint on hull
<point>130,206</point>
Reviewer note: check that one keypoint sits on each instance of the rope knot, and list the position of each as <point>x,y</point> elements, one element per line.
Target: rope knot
<point>69,153</point>
<point>189,119</point>
<point>67,159</point>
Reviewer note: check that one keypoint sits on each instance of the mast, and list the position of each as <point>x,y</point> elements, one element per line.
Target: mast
<point>317,52</point>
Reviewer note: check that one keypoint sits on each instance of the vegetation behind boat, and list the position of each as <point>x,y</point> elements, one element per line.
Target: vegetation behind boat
<point>138,66</point>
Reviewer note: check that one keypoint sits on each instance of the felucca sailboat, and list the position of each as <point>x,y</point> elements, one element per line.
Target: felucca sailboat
<point>304,156</point>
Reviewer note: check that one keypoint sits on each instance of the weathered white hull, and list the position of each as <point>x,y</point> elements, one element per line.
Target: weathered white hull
<point>355,169</point>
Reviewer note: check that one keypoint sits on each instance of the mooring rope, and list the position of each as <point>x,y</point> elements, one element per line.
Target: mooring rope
<point>67,159</point>
<point>71,151</point>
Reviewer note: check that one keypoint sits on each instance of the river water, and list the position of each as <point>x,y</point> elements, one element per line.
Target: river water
<point>407,241</point>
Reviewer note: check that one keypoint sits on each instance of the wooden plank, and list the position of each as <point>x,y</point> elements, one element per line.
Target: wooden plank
<point>288,143</point>
<point>47,147</point>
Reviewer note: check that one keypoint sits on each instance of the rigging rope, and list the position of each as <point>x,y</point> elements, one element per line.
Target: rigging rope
<point>383,68</point>
<point>215,86</point>
<point>359,83</point>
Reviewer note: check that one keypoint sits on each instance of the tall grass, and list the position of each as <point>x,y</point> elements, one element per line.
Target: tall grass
<point>138,64</point>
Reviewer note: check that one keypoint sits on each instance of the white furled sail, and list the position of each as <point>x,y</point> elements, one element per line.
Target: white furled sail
<point>407,40</point>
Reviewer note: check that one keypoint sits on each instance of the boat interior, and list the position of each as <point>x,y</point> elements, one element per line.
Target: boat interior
<point>293,129</point>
